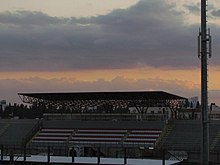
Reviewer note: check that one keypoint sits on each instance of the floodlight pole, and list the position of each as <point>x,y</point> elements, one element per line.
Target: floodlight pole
<point>204,48</point>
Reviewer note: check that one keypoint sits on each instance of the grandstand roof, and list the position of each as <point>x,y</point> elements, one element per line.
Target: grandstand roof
<point>140,95</point>
<point>138,99</point>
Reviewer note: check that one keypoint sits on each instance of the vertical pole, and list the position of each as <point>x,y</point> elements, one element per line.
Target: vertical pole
<point>48,154</point>
<point>24,152</point>
<point>11,156</point>
<point>98,155</point>
<point>163,160</point>
<point>73,155</point>
<point>2,152</point>
<point>204,86</point>
<point>125,156</point>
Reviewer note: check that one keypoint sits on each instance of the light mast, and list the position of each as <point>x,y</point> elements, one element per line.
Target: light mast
<point>204,48</point>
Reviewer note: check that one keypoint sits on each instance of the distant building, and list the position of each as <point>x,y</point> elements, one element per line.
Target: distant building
<point>214,112</point>
<point>2,105</point>
<point>193,101</point>
<point>192,110</point>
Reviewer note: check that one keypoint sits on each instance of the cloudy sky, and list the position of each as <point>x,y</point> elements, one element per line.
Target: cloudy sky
<point>105,45</point>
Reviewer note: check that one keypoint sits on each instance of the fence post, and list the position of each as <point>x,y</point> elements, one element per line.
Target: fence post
<point>163,160</point>
<point>98,155</point>
<point>125,156</point>
<point>24,152</point>
<point>2,152</point>
<point>48,154</point>
<point>73,154</point>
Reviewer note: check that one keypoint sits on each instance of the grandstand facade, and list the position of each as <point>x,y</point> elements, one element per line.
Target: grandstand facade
<point>179,139</point>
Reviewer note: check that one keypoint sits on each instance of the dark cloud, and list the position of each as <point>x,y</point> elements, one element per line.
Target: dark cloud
<point>213,11</point>
<point>216,13</point>
<point>149,33</point>
<point>29,18</point>
<point>193,8</point>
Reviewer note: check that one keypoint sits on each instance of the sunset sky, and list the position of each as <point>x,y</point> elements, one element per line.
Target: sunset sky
<point>105,45</point>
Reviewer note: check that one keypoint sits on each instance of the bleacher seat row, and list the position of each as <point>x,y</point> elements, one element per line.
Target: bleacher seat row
<point>98,135</point>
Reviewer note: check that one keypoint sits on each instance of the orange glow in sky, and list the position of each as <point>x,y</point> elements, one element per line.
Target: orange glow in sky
<point>192,77</point>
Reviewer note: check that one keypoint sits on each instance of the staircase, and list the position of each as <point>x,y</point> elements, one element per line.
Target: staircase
<point>178,155</point>
<point>215,141</point>
<point>3,129</point>
<point>34,131</point>
<point>163,136</point>
<point>70,137</point>
<point>125,136</point>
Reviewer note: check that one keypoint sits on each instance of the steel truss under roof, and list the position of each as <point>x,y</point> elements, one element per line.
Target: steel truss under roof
<point>141,99</point>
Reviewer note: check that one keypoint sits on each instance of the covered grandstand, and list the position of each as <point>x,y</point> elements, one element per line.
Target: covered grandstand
<point>107,102</point>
